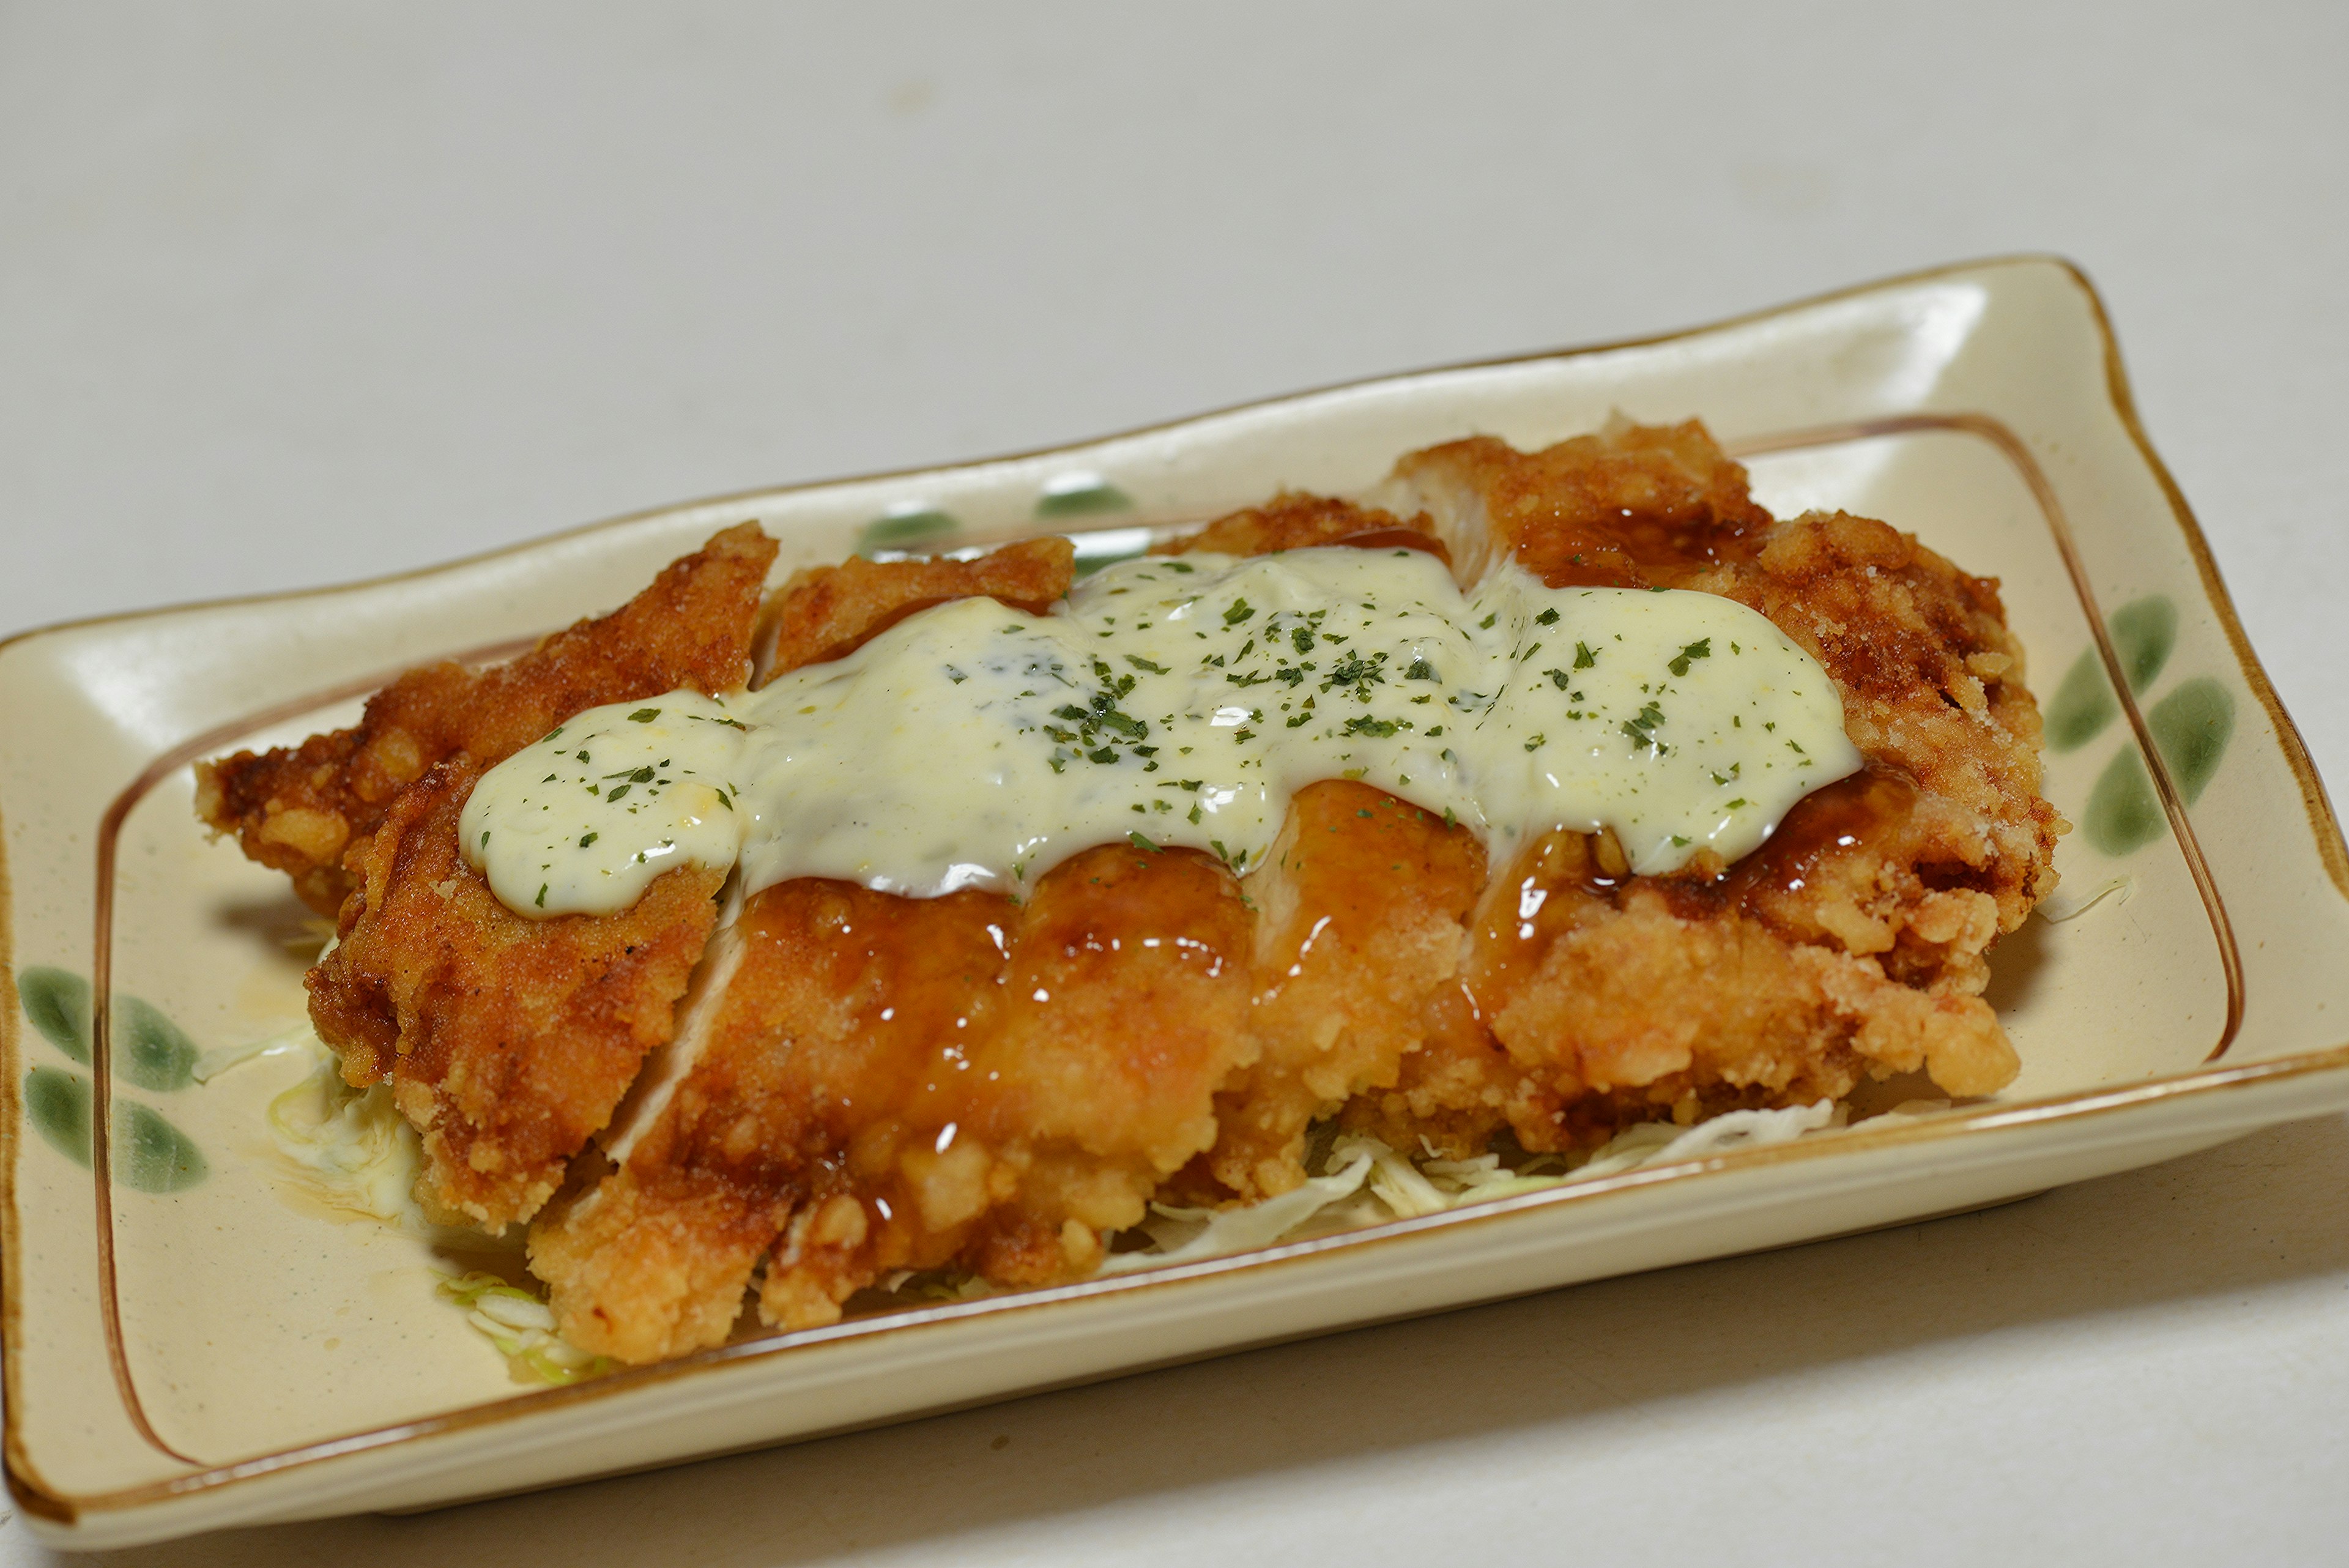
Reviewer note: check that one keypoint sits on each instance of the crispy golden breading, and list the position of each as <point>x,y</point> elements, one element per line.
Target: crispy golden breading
<point>824,612</point>
<point>893,1083</point>
<point>1618,1000</point>
<point>508,1040</point>
<point>1292,521</point>
<point>300,809</point>
<point>1359,908</point>
<point>1636,506</point>
<point>1933,688</point>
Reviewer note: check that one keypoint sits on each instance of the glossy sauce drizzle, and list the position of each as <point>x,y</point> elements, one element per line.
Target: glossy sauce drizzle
<point>1852,813</point>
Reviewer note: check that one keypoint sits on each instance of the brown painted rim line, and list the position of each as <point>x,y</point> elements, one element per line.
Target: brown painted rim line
<point>12,1135</point>
<point>2173,803</point>
<point>23,1483</point>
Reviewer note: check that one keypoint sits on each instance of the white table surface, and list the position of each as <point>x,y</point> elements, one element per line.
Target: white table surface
<point>294,294</point>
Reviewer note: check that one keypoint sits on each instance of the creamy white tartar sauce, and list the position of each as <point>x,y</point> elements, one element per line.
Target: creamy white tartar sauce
<point>1182,701</point>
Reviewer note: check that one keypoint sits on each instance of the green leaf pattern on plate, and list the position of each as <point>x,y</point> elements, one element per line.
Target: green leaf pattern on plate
<point>899,530</point>
<point>150,1049</point>
<point>57,1001</point>
<point>2124,815</point>
<point>2082,706</point>
<point>57,1102</point>
<point>1081,495</point>
<point>2143,631</point>
<point>2190,727</point>
<point>150,1155</point>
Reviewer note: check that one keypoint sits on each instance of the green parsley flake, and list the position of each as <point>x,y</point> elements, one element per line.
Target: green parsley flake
<point>1700,648</point>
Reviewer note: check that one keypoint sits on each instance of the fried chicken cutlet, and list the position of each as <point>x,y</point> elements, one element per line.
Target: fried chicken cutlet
<point>1391,979</point>
<point>867,1082</point>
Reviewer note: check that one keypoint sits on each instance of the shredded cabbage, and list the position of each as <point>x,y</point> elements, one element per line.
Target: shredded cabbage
<point>521,1326</point>
<point>2070,904</point>
<point>350,1151</point>
<point>1369,1182</point>
<point>1180,1235</point>
<point>220,1059</point>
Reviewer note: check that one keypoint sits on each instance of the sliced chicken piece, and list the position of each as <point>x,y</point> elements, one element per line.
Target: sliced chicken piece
<point>1635,506</point>
<point>1360,912</point>
<point>1852,945</point>
<point>824,612</point>
<point>507,1040</point>
<point>893,1083</point>
<point>1292,521</point>
<point>300,809</point>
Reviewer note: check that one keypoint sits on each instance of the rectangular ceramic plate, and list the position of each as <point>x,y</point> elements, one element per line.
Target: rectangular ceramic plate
<point>210,1354</point>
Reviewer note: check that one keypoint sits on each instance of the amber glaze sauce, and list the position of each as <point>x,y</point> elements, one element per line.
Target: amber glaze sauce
<point>1638,551</point>
<point>1848,813</point>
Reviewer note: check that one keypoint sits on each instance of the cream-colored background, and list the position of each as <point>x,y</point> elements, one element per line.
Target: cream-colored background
<point>287,297</point>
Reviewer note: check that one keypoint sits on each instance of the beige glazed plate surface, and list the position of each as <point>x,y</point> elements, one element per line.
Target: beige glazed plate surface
<point>189,1345</point>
